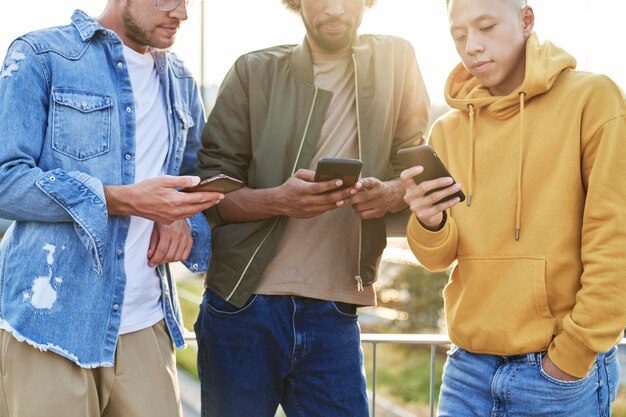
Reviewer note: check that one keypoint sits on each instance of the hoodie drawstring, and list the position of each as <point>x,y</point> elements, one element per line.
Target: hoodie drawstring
<point>520,161</point>
<point>518,206</point>
<point>470,174</point>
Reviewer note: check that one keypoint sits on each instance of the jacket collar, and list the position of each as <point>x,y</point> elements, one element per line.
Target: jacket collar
<point>302,62</point>
<point>85,25</point>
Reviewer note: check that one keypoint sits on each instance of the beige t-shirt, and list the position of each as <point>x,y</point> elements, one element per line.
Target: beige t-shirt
<point>318,257</point>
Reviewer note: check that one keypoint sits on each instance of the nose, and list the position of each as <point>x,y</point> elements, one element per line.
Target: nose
<point>473,44</point>
<point>180,12</point>
<point>334,7</point>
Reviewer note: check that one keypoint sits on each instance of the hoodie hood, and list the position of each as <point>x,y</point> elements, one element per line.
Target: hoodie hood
<point>544,63</point>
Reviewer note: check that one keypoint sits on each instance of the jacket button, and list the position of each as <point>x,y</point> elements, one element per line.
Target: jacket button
<point>128,109</point>
<point>194,267</point>
<point>128,157</point>
<point>120,65</point>
<point>116,306</point>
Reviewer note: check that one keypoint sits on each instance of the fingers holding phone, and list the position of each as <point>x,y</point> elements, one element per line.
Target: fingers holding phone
<point>428,206</point>
<point>345,169</point>
<point>374,198</point>
<point>158,199</point>
<point>316,186</point>
<point>301,197</point>
<point>430,189</point>
<point>220,183</point>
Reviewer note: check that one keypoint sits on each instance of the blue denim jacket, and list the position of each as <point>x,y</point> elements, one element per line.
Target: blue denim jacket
<point>67,127</point>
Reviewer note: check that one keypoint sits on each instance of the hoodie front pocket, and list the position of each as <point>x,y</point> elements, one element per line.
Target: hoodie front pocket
<point>499,305</point>
<point>81,123</point>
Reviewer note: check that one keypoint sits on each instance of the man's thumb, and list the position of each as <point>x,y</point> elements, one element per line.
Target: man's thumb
<point>187,181</point>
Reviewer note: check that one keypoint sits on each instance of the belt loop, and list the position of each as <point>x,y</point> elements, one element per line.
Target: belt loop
<point>532,358</point>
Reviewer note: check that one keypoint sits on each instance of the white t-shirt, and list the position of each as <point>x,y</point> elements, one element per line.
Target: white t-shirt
<point>142,295</point>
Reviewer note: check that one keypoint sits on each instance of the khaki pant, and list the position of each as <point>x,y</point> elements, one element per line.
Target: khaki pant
<point>142,383</point>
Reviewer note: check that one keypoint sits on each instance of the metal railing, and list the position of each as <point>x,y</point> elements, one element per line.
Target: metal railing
<point>432,340</point>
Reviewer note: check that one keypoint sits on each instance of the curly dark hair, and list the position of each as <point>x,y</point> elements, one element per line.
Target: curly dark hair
<point>294,6</point>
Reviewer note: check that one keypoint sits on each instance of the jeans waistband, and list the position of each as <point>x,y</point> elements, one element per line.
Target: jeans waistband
<point>532,358</point>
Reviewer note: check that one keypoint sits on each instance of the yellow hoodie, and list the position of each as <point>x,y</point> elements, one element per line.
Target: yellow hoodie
<point>541,248</point>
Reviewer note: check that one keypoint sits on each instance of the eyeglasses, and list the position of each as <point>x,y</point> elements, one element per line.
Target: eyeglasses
<point>169,5</point>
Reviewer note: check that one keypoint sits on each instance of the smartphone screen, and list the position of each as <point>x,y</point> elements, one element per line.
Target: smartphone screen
<point>220,184</point>
<point>346,169</point>
<point>433,167</point>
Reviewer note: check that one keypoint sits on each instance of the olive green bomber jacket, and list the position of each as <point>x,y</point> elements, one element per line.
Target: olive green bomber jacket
<point>265,125</point>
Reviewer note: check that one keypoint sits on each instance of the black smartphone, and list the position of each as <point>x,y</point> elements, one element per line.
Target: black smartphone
<point>345,169</point>
<point>433,167</point>
<point>220,183</point>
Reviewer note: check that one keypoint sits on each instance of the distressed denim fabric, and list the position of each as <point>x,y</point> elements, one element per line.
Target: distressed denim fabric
<point>67,125</point>
<point>302,353</point>
<point>477,385</point>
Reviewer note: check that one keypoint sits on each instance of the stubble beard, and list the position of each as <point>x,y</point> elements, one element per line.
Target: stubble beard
<point>327,43</point>
<point>138,34</point>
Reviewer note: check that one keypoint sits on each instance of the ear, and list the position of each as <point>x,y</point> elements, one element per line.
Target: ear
<point>528,21</point>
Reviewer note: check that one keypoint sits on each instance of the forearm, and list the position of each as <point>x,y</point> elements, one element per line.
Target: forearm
<point>119,200</point>
<point>395,195</point>
<point>247,205</point>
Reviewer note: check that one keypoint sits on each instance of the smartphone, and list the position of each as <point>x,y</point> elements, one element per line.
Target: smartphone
<point>345,169</point>
<point>433,167</point>
<point>220,183</point>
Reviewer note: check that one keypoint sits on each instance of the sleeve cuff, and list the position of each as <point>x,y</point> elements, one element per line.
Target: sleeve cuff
<point>426,237</point>
<point>570,356</point>
<point>82,196</point>
<point>200,255</point>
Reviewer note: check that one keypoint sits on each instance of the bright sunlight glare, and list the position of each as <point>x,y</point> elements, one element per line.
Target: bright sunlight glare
<point>588,29</point>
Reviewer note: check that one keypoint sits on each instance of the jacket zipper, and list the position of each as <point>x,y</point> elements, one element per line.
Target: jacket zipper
<point>293,170</point>
<point>357,277</point>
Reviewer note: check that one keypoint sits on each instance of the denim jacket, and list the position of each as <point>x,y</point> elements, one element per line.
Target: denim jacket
<point>67,127</point>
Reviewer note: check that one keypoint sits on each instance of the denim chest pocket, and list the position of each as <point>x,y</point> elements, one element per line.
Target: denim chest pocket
<point>183,122</point>
<point>81,123</point>
<point>184,118</point>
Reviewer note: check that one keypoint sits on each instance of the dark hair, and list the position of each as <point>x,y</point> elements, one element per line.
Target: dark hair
<point>294,6</point>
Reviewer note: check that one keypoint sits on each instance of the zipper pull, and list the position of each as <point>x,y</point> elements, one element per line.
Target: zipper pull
<point>359,283</point>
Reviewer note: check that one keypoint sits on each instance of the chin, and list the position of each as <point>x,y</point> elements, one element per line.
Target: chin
<point>162,44</point>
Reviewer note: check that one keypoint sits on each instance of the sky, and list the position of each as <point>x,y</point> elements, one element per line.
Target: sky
<point>591,30</point>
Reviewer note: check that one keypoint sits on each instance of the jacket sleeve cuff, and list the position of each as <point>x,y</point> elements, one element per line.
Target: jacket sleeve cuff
<point>82,196</point>
<point>213,217</point>
<point>200,254</point>
<point>571,356</point>
<point>428,238</point>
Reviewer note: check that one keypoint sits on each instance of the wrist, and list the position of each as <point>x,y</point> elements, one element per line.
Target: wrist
<point>118,200</point>
<point>274,201</point>
<point>395,192</point>
<point>437,227</point>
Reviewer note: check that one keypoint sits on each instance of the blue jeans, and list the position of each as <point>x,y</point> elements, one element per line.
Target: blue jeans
<point>302,353</point>
<point>517,386</point>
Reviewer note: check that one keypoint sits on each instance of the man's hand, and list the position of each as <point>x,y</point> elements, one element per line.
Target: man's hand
<point>158,199</point>
<point>422,205</point>
<point>301,197</point>
<point>169,243</point>
<point>375,198</point>
<point>551,369</point>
